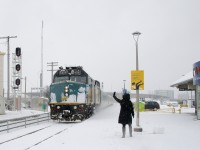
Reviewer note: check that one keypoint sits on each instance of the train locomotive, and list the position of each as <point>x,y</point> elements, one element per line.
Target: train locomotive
<point>73,94</point>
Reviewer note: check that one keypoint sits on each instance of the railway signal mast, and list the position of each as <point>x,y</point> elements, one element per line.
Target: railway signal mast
<point>17,76</point>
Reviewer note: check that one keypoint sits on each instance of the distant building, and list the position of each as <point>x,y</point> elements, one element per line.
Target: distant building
<point>165,93</point>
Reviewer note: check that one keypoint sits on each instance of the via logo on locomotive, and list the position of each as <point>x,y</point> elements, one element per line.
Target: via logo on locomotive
<point>73,94</point>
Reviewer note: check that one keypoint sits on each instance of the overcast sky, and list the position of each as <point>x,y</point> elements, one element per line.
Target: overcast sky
<point>97,34</point>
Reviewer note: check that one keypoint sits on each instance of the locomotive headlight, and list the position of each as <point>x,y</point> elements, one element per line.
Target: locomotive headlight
<point>58,107</point>
<point>75,107</point>
<point>66,91</point>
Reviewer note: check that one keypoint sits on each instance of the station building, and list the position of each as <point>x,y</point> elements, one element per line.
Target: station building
<point>191,82</point>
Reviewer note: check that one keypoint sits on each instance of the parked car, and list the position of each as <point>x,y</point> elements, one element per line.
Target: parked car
<point>152,105</point>
<point>173,104</point>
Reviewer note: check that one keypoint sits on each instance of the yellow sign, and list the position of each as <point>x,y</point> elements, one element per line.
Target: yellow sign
<point>137,79</point>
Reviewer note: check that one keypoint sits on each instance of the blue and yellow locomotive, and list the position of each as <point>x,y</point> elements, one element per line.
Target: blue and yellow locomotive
<point>73,94</point>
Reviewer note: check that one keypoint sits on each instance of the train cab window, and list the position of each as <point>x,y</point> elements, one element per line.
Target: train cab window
<point>72,78</point>
<point>62,78</point>
<point>78,79</point>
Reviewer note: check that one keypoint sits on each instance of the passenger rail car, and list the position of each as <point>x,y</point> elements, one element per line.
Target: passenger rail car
<point>73,94</point>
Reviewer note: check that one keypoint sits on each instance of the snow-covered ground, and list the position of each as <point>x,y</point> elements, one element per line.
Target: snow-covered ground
<point>162,130</point>
<point>18,114</point>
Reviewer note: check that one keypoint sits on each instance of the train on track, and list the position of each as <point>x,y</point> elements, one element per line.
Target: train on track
<point>74,95</point>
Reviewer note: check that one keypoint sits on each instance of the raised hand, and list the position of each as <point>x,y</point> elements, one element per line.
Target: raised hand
<point>114,94</point>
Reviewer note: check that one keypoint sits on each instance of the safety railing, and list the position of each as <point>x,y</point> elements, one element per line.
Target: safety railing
<point>7,125</point>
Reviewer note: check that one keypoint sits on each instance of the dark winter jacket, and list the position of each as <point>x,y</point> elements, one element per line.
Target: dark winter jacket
<point>126,111</point>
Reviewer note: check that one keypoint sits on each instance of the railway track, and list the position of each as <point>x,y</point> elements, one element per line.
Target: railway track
<point>46,138</point>
<point>28,140</point>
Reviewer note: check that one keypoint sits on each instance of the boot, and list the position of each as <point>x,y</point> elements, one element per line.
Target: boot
<point>123,132</point>
<point>130,130</point>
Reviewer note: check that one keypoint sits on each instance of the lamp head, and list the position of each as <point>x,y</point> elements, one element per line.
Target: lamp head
<point>136,36</point>
<point>136,33</point>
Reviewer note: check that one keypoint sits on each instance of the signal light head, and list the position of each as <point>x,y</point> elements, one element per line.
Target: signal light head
<point>18,67</point>
<point>17,81</point>
<point>18,51</point>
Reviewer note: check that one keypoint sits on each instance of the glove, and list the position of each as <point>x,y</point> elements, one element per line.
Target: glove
<point>114,94</point>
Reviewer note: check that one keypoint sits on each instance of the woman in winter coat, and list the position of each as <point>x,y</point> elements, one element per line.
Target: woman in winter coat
<point>126,113</point>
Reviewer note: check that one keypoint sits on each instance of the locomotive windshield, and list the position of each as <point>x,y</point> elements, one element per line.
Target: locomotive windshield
<point>70,78</point>
<point>62,78</point>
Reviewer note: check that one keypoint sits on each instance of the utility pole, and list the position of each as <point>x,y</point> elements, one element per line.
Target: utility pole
<point>25,88</point>
<point>41,74</point>
<point>52,64</point>
<point>8,63</point>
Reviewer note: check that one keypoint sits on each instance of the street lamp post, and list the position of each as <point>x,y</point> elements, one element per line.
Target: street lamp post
<point>136,37</point>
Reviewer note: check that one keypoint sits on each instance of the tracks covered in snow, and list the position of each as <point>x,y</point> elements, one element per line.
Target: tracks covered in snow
<point>27,138</point>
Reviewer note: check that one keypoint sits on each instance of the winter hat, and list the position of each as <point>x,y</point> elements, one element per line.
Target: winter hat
<point>126,96</point>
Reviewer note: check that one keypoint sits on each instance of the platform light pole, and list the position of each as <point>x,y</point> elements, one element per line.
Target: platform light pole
<point>123,90</point>
<point>124,84</point>
<point>136,37</point>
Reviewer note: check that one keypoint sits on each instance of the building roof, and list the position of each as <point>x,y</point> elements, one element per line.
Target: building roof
<point>183,80</point>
